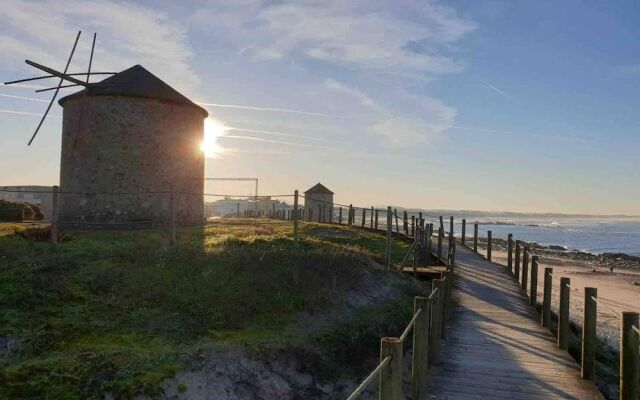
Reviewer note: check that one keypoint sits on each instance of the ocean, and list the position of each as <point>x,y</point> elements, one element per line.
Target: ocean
<point>593,235</point>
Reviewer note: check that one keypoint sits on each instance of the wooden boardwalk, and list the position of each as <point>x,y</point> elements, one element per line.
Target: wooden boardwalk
<point>495,347</point>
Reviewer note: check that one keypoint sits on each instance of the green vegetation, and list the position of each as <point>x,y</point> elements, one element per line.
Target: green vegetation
<point>117,312</point>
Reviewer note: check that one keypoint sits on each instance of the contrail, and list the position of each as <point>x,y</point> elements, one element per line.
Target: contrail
<point>26,113</point>
<point>271,109</point>
<point>258,139</point>
<point>231,128</point>
<point>23,98</point>
<point>495,89</point>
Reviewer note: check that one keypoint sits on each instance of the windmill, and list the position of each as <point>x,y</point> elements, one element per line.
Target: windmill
<point>64,76</point>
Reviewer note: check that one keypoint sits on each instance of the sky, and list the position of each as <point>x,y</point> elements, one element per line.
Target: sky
<point>480,105</point>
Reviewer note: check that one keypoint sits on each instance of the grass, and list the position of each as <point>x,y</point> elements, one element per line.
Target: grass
<point>117,312</point>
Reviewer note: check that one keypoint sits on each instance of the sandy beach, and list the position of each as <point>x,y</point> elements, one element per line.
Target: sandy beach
<point>619,290</point>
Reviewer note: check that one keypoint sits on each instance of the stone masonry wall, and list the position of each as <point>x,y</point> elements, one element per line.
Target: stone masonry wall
<point>116,144</point>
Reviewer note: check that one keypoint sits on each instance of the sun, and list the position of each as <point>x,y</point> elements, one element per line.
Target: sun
<point>213,129</point>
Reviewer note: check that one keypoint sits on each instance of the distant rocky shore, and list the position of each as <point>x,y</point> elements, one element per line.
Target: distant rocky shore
<point>607,260</point>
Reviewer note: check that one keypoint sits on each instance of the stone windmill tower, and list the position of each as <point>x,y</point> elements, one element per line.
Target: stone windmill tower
<point>131,133</point>
<point>128,141</point>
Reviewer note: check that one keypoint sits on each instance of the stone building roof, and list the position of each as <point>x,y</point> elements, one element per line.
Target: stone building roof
<point>135,82</point>
<point>319,188</point>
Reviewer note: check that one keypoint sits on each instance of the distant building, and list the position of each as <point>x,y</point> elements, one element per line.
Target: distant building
<point>41,196</point>
<point>230,207</point>
<point>318,203</point>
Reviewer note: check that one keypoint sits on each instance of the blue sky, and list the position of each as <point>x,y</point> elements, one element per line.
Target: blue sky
<point>490,105</point>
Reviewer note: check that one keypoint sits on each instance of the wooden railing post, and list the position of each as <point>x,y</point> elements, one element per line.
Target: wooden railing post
<point>510,253</point>
<point>629,359</point>
<point>395,213</point>
<point>589,335</point>
<point>339,215</point>
<point>451,232</point>
<point>389,234</point>
<point>546,297</point>
<point>436,322</point>
<point>563,314</point>
<point>391,376</point>
<point>54,214</point>
<point>413,225</point>
<point>364,216</point>
<point>440,237</point>
<point>350,222</point>
<point>489,246</point>
<point>429,241</point>
<point>376,223</point>
<point>525,268</point>
<point>420,348</point>
<point>463,232</point>
<point>475,237</point>
<point>371,223</point>
<point>238,210</point>
<point>405,223</point>
<point>295,217</point>
<point>533,291</point>
<point>516,267</point>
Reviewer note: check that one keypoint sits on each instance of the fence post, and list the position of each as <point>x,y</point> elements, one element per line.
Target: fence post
<point>488,245</point>
<point>395,213</point>
<point>340,216</point>
<point>420,348</point>
<point>406,223</point>
<point>350,218</point>
<point>440,237</point>
<point>510,253</point>
<point>389,234</point>
<point>475,237</point>
<point>295,217</point>
<point>589,335</point>
<point>516,268</point>
<point>54,214</point>
<point>413,225</point>
<point>172,217</point>
<point>376,227</point>
<point>451,231</point>
<point>525,268</point>
<point>546,297</point>
<point>364,216</point>
<point>436,321</point>
<point>391,376</point>
<point>464,230</point>
<point>563,314</point>
<point>533,291</point>
<point>629,359</point>
<point>429,240</point>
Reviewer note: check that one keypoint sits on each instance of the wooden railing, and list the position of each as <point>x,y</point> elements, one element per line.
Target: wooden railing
<point>629,366</point>
<point>428,326</point>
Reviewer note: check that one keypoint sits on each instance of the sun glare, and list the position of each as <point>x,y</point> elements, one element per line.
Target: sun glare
<point>213,129</point>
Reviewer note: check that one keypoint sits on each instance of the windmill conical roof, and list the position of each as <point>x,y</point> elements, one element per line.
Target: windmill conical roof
<point>136,81</point>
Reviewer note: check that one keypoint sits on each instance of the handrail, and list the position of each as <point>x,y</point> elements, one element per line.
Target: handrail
<point>410,325</point>
<point>369,378</point>
<point>433,293</point>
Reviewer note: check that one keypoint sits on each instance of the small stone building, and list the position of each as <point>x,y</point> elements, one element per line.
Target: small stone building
<point>41,196</point>
<point>126,141</point>
<point>318,203</point>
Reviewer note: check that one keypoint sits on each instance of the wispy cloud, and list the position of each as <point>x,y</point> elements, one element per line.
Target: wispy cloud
<point>362,98</point>
<point>23,98</point>
<point>366,35</point>
<point>44,31</point>
<point>27,113</point>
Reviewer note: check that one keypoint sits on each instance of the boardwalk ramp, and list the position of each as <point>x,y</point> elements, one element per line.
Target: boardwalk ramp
<point>495,347</point>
